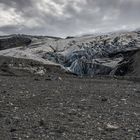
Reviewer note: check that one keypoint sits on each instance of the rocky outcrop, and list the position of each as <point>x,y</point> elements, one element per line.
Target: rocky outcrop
<point>14,41</point>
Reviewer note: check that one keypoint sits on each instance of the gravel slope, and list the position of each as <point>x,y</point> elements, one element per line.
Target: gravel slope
<point>66,107</point>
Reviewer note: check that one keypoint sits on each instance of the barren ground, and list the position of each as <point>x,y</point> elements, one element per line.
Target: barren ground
<point>69,108</point>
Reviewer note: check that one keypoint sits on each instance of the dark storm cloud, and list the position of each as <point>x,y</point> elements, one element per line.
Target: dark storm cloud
<point>68,17</point>
<point>18,4</point>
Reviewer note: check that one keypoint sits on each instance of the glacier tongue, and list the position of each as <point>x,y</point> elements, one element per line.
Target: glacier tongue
<point>92,55</point>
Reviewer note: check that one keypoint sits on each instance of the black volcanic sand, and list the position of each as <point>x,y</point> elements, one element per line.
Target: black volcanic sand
<point>69,108</point>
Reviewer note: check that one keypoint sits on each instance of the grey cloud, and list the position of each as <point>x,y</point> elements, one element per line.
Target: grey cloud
<point>77,17</point>
<point>18,4</point>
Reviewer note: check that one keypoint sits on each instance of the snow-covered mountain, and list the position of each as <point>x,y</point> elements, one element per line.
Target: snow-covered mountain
<point>86,55</point>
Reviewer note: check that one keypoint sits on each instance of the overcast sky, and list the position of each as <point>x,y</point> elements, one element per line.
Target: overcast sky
<point>68,17</point>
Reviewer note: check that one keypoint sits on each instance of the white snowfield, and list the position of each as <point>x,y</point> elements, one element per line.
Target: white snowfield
<point>80,55</point>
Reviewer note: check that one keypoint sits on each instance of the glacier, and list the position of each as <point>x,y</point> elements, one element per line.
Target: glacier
<point>86,55</point>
